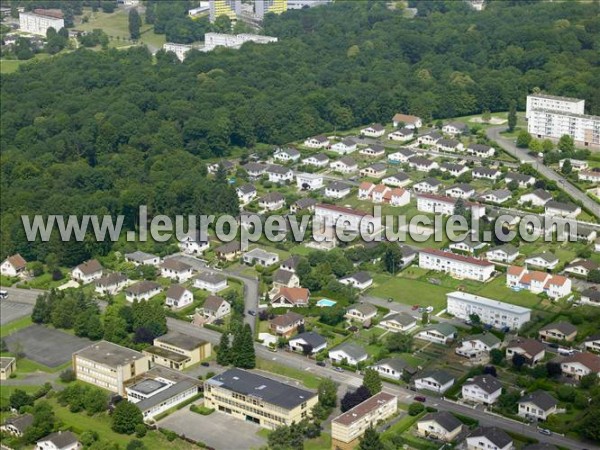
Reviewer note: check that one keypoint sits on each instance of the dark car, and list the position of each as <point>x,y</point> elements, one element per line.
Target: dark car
<point>251,312</point>
<point>553,345</point>
<point>205,364</point>
<point>321,363</point>
<point>420,398</point>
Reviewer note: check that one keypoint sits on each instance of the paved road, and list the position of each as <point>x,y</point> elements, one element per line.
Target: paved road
<point>354,380</point>
<point>493,133</point>
<point>250,285</point>
<point>26,296</point>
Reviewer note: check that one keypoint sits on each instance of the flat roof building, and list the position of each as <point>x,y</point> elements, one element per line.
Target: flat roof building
<point>177,350</point>
<point>491,312</point>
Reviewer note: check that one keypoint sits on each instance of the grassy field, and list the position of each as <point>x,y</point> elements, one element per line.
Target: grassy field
<point>409,292</point>
<point>308,379</point>
<point>11,65</point>
<point>15,325</point>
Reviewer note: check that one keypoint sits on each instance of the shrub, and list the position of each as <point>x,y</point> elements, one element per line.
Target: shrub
<point>140,430</point>
<point>415,409</point>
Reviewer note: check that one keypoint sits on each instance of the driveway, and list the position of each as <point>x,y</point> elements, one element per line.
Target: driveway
<point>218,430</point>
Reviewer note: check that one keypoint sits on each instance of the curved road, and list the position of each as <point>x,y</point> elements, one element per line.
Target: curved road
<point>508,145</point>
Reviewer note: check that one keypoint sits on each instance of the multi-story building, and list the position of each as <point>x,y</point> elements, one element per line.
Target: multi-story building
<point>109,365</point>
<point>262,7</point>
<point>347,428</point>
<point>491,312</point>
<point>458,266</point>
<point>229,8</point>
<point>177,350</point>
<point>7,366</point>
<point>347,219</point>
<point>180,50</point>
<point>439,204</point>
<point>254,398</point>
<point>551,117</point>
<point>38,21</point>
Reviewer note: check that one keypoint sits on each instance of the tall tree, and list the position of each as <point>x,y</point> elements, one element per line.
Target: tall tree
<point>126,417</point>
<point>243,343</point>
<point>327,391</point>
<point>392,259</point>
<point>567,167</point>
<point>370,440</point>
<point>135,24</point>
<point>512,116</point>
<point>372,381</point>
<point>224,355</point>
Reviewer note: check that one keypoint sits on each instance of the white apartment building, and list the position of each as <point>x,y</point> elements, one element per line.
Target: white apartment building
<point>552,117</point>
<point>491,312</point>
<point>346,219</point>
<point>180,50</point>
<point>38,21</point>
<point>439,204</point>
<point>458,266</point>
<point>309,181</point>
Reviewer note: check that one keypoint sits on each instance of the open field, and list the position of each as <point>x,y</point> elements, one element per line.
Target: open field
<point>310,381</point>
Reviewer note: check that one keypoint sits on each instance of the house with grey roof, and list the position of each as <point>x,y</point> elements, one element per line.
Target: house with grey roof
<point>439,333</point>
<point>361,312</point>
<point>558,331</point>
<point>455,128</point>
<point>260,257</point>
<point>344,147</point>
<point>142,290</point>
<point>427,186</point>
<point>537,405</point>
<point>376,170</point>
<point>279,174</point>
<point>538,197</point>
<point>138,258</point>
<point>483,389</point>
<point>211,282</point>
<point>284,278</point>
<point>176,270</point>
<point>506,253</point>
<point>272,201</point>
<point>17,426</point>
<point>110,284</point>
<point>303,204</point>
<point>194,243</point>
<point>486,173</point>
<point>544,260</point>
<point>398,322</point>
<point>344,165</point>
<point>393,368</point>
<point>60,440</point>
<point>497,196</point>
<point>399,179</point>
<point>337,189</point>
<point>288,154</point>
<point>460,190</point>
<point>359,280</point>
<point>521,179</point>
<point>561,209</point>
<point>308,339</point>
<point>441,425</point>
<point>449,145</point>
<point>178,297</point>
<point>489,438</point>
<point>434,380</point>
<point>87,272</point>
<point>348,353</point>
<point>318,160</point>
<point>481,150</point>
<point>246,193</point>
<point>477,345</point>
<point>430,138</point>
<point>214,308</point>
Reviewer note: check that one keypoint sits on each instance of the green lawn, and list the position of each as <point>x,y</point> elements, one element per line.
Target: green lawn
<point>310,381</point>
<point>409,292</point>
<point>323,442</point>
<point>11,65</point>
<point>15,325</point>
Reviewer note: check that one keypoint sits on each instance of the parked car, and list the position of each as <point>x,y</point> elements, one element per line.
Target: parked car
<point>390,300</point>
<point>205,364</point>
<point>545,431</point>
<point>338,369</point>
<point>415,307</point>
<point>420,398</point>
<point>251,312</point>
<point>321,363</point>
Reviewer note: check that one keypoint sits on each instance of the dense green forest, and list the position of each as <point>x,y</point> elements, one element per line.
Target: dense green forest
<point>100,132</point>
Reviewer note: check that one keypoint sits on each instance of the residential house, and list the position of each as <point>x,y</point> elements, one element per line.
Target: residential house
<point>458,266</point>
<point>178,350</point>
<point>291,297</point>
<point>194,243</point>
<point>60,440</point>
<point>284,278</point>
<point>469,244</point>
<point>592,343</point>
<point>449,145</point>
<point>291,264</point>
<point>344,165</point>
<point>439,204</point>
<point>407,121</point>
<point>16,426</point>
<point>359,280</point>
<point>576,164</point>
<point>580,364</point>
<point>178,297</point>
<point>539,197</point>
<point>229,251</point>
<point>110,284</point>
<point>376,170</point>
<point>373,151</point>
<point>142,290</point>
<point>402,135</point>
<point>287,155</point>
<point>361,312</point>
<point>489,438</point>
<point>344,147</point>
<point>409,254</point>
<point>309,181</point>
<point>379,193</point>
<point>480,150</point>
<point>374,130</point>
<point>402,156</point>
<point>348,353</point>
<point>497,196</point>
<point>303,204</point>
<point>246,193</point>
<point>365,189</point>
<point>522,180</point>
<point>477,345</point>
<point>461,190</point>
<point>430,138</point>
<point>7,366</point>
<point>226,166</point>
<point>87,272</point>
<point>483,389</point>
<point>211,282</point>
<point>277,404</point>
<point>176,270</point>
<point>348,428</point>
<point>438,333</point>
<point>592,176</point>
<point>558,331</point>
<point>427,186</point>
<point>319,141</point>
<point>555,286</point>
<point>396,322</point>
<point>486,173</point>
<point>319,160</point>
<point>455,170</point>
<point>279,174</point>
<point>442,426</point>
<point>506,253</point>
<point>422,164</point>
<point>560,209</point>
<point>538,405</point>
<point>591,297</point>
<point>399,179</point>
<point>260,257</point>
<point>393,368</point>
<point>286,324</point>
<point>310,341</point>
<point>255,170</point>
<point>533,351</point>
<point>13,266</point>
<point>434,380</point>
<point>337,189</point>
<point>214,308</point>
<point>455,128</point>
<point>491,312</point>
<point>141,258</point>
<point>397,197</point>
<point>545,260</point>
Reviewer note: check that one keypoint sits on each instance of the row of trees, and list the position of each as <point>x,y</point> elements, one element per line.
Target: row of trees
<point>237,349</point>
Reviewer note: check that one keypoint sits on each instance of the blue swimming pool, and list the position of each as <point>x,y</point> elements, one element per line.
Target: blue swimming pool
<point>325,302</point>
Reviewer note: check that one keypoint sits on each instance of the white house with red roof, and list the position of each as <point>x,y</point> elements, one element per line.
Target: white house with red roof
<point>458,266</point>
<point>580,364</point>
<point>536,282</point>
<point>291,297</point>
<point>13,265</point>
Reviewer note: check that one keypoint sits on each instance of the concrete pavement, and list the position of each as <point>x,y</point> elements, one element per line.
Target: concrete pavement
<point>508,145</point>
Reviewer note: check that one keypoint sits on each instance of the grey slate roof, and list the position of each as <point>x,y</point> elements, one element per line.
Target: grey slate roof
<point>488,339</point>
<point>139,256</point>
<point>310,337</point>
<point>448,143</point>
<point>21,423</point>
<point>400,176</point>
<point>142,287</point>
<point>541,399</point>
<point>440,376</point>
<point>181,340</point>
<point>360,277</point>
<point>443,418</point>
<point>569,207</point>
<point>402,318</point>
<point>507,248</point>
<point>353,350</point>
<point>495,435</point>
<point>365,308</point>
<point>271,391</point>
<point>338,186</point>
<point>444,328</point>
<point>272,197</point>
<point>176,291</point>
<point>168,393</point>
<point>486,382</point>
<point>60,439</point>
<point>546,256</point>
<point>212,278</point>
<point>247,188</point>
<point>564,327</point>
<point>282,276</point>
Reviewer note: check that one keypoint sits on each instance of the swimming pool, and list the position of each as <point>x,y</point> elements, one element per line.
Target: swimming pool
<point>325,302</point>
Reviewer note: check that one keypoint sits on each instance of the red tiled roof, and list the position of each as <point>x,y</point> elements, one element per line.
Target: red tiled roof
<point>516,270</point>
<point>365,185</point>
<point>294,295</point>
<point>589,360</point>
<point>17,261</point>
<point>406,118</point>
<point>461,258</point>
<point>380,188</point>
<point>557,280</point>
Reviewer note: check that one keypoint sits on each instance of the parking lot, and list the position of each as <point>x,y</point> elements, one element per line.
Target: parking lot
<point>10,311</point>
<point>217,430</point>
<point>46,346</point>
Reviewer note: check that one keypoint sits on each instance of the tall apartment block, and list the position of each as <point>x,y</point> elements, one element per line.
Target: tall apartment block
<point>262,7</point>
<point>552,117</point>
<point>229,8</point>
